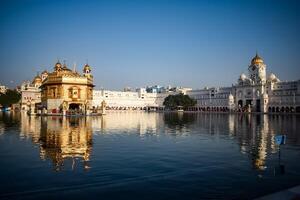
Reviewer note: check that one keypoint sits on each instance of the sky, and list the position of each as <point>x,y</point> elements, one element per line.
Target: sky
<point>138,43</point>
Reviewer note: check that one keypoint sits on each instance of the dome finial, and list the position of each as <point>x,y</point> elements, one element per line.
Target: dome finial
<point>257,59</point>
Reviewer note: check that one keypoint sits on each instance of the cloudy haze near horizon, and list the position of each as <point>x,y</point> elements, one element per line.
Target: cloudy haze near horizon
<point>138,43</point>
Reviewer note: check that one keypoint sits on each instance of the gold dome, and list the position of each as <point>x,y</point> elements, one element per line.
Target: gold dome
<point>257,60</point>
<point>37,79</point>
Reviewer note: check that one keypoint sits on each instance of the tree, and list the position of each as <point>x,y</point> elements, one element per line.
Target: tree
<point>9,98</point>
<point>173,101</point>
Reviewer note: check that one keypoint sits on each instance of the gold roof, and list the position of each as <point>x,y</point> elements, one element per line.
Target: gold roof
<point>64,72</point>
<point>257,60</point>
<point>56,76</point>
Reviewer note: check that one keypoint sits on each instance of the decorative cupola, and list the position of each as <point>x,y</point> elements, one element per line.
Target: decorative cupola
<point>37,81</point>
<point>44,75</point>
<point>87,71</point>
<point>272,78</point>
<point>57,66</point>
<point>257,70</point>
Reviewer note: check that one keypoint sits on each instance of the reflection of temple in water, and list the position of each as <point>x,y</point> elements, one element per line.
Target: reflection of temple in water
<point>62,140</point>
<point>255,136</point>
<point>66,141</point>
<point>254,133</point>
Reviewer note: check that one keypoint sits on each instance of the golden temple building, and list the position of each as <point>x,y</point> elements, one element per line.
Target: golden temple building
<point>65,91</point>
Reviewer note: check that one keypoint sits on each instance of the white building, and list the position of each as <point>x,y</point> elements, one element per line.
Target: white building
<point>213,99</point>
<point>31,93</point>
<point>256,92</point>
<point>128,100</point>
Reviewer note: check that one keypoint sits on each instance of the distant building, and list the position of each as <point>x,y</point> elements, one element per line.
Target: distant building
<point>161,89</point>
<point>256,93</point>
<point>128,100</point>
<point>155,89</point>
<point>31,93</point>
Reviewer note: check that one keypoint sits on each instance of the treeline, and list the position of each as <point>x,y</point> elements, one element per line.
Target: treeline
<point>9,98</point>
<point>172,102</point>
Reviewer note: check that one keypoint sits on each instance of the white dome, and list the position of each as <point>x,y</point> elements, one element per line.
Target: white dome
<point>272,77</point>
<point>243,77</point>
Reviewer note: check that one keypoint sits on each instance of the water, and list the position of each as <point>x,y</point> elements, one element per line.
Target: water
<point>147,156</point>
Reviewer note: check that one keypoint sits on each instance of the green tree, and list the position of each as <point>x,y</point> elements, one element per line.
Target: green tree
<point>173,101</point>
<point>10,97</point>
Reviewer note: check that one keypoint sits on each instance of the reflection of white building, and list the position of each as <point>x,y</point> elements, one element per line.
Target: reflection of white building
<point>256,92</point>
<point>140,122</point>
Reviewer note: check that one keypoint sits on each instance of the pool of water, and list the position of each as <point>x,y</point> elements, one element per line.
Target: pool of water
<point>137,155</point>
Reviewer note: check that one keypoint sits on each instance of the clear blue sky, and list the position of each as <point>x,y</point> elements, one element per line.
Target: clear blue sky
<point>137,43</point>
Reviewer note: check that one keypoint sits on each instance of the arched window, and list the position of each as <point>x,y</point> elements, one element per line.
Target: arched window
<point>74,92</point>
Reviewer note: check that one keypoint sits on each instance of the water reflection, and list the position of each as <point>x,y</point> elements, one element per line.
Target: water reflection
<point>67,142</point>
<point>179,119</point>
<point>8,119</point>
<point>140,122</point>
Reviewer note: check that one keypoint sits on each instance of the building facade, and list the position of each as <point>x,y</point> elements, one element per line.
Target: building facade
<point>31,93</point>
<point>256,92</point>
<point>128,100</point>
<point>65,90</point>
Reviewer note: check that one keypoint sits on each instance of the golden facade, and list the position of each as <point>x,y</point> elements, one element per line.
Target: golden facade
<point>65,90</point>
